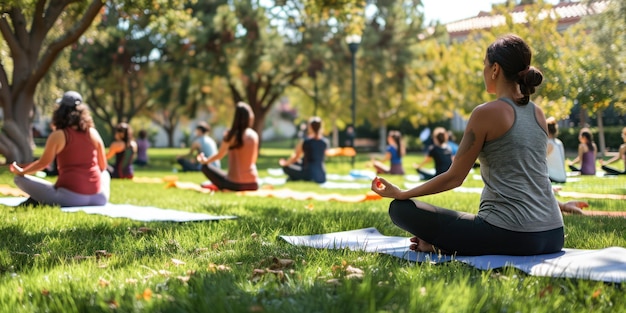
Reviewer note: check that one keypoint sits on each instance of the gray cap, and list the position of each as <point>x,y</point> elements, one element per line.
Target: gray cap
<point>70,98</point>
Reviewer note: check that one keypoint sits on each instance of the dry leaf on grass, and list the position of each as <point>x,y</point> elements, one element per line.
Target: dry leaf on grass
<point>145,295</point>
<point>103,282</point>
<point>177,262</point>
<point>221,268</point>
<point>113,305</point>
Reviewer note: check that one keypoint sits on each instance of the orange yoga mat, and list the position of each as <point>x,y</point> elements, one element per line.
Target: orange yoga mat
<point>303,195</point>
<point>11,191</point>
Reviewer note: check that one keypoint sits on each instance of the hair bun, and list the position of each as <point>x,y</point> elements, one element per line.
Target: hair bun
<point>531,77</point>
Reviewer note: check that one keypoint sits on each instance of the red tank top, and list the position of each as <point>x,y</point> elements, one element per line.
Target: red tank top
<point>78,163</point>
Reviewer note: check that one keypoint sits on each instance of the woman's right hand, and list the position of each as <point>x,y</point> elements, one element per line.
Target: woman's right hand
<point>282,162</point>
<point>16,169</point>
<point>385,189</point>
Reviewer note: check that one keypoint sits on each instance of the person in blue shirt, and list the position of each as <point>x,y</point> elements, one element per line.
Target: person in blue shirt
<point>201,143</point>
<point>394,153</point>
<point>307,161</point>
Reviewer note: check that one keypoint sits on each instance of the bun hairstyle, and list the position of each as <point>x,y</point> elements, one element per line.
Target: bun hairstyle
<point>514,56</point>
<point>441,135</point>
<point>316,124</point>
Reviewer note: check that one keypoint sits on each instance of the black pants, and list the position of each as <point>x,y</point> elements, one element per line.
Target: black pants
<point>220,179</point>
<point>612,171</point>
<point>466,234</point>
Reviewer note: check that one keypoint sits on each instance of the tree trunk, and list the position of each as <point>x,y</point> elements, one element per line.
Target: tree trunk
<point>382,137</point>
<point>16,138</point>
<point>170,136</point>
<point>601,140</point>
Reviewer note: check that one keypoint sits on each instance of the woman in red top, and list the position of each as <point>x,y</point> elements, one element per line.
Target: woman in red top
<point>79,151</point>
<point>241,143</point>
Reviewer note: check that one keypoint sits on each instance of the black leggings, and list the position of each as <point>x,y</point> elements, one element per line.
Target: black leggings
<point>612,171</point>
<point>219,178</point>
<point>461,233</point>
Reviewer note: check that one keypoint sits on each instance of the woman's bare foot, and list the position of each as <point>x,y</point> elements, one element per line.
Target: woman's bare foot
<point>421,245</point>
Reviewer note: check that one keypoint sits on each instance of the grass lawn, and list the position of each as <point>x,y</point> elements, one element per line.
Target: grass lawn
<point>52,261</point>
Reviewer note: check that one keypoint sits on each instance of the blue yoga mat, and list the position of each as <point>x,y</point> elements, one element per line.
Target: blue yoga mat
<point>607,264</point>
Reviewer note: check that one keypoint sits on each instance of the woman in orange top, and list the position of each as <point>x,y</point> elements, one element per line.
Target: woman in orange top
<point>241,143</point>
<point>79,151</point>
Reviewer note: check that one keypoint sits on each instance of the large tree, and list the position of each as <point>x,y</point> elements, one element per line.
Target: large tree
<point>35,34</point>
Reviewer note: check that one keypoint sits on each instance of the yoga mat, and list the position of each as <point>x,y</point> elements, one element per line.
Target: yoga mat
<point>344,185</point>
<point>303,195</point>
<point>133,212</point>
<point>11,191</point>
<point>608,265</point>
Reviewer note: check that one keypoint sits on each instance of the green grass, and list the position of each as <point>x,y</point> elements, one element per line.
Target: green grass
<point>52,261</point>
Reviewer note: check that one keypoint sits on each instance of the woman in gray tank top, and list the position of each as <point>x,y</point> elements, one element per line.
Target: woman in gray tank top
<point>518,213</point>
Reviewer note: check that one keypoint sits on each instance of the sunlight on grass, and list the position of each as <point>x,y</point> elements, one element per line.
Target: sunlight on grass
<point>75,262</point>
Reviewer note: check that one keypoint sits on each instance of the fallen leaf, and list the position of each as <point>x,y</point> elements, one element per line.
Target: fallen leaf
<point>597,293</point>
<point>103,282</point>
<point>545,291</point>
<point>131,281</point>
<point>354,270</point>
<point>102,254</point>
<point>112,304</point>
<point>146,295</point>
<point>177,262</point>
<point>333,281</point>
<point>165,273</point>
<point>281,263</point>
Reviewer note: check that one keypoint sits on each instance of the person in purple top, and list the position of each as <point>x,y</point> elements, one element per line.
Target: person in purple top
<point>142,148</point>
<point>587,151</point>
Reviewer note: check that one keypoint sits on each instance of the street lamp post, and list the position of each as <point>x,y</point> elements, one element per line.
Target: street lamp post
<point>353,44</point>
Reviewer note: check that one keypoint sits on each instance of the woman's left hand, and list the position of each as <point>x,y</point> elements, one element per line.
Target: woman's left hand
<point>574,207</point>
<point>385,189</point>
<point>282,162</point>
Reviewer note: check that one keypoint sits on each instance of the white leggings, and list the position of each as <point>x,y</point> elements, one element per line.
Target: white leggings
<point>44,192</point>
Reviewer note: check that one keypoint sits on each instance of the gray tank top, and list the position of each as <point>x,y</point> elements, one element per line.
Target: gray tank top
<point>518,193</point>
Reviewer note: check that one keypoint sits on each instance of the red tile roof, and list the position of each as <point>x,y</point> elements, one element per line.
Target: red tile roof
<point>568,13</point>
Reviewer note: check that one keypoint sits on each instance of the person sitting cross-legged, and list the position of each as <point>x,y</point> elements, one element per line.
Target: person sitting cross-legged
<point>307,161</point>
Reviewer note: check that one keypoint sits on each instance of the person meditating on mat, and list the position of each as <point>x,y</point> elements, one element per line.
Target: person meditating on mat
<point>79,151</point>
<point>556,153</point>
<point>587,151</point>
<point>518,212</point>
<point>395,152</point>
<point>201,143</point>
<point>143,144</point>
<point>124,149</point>
<point>241,143</point>
<point>307,161</point>
<point>440,152</point>
<point>621,154</point>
